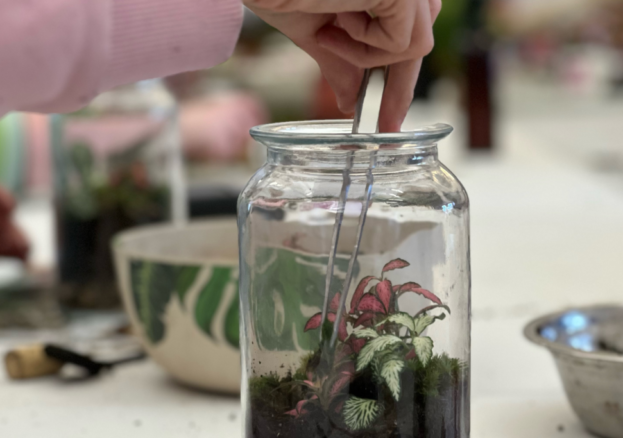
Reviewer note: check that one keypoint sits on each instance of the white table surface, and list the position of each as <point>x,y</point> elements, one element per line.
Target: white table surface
<point>545,235</point>
<point>543,238</point>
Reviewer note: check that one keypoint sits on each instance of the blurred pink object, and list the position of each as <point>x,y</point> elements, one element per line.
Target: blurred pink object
<point>111,134</point>
<point>37,131</point>
<point>218,128</point>
<point>56,55</point>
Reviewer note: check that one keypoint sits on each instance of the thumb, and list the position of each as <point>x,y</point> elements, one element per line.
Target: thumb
<point>343,77</point>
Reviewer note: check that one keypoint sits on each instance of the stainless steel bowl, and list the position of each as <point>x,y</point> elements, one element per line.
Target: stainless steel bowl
<point>587,344</point>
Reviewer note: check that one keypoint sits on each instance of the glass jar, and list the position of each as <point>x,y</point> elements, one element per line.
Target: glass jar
<point>117,165</point>
<point>397,364</point>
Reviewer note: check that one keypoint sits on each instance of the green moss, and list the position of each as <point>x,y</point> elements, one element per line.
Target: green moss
<point>301,372</point>
<point>262,386</point>
<point>276,395</point>
<point>438,374</point>
<point>431,396</point>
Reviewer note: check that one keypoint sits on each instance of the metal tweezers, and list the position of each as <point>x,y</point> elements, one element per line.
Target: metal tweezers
<point>346,182</point>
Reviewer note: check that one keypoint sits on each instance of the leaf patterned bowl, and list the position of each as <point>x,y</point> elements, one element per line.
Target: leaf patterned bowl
<point>180,290</point>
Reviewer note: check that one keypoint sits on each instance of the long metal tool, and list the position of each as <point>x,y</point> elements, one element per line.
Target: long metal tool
<point>340,216</point>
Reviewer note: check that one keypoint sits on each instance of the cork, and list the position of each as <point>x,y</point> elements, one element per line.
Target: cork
<point>30,361</point>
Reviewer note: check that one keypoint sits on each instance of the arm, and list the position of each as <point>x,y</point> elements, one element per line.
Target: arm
<point>56,55</point>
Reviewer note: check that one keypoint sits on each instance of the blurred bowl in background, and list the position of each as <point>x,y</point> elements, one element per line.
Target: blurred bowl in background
<point>180,290</point>
<point>587,344</point>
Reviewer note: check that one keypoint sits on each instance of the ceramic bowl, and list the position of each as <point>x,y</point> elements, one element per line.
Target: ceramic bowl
<point>180,290</point>
<point>587,345</point>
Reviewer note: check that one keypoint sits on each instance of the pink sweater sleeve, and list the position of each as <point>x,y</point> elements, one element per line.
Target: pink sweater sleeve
<point>56,55</point>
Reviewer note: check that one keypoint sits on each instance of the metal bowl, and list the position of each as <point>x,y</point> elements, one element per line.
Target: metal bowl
<point>587,344</point>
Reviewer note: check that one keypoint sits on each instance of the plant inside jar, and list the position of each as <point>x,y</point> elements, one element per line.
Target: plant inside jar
<point>380,380</point>
<point>95,206</point>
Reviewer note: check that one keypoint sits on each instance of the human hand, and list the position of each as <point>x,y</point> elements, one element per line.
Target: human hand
<point>13,243</point>
<point>343,38</point>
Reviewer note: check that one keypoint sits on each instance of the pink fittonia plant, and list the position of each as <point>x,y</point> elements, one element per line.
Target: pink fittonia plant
<point>381,337</point>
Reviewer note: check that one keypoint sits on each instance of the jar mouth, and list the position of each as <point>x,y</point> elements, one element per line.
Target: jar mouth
<point>334,133</point>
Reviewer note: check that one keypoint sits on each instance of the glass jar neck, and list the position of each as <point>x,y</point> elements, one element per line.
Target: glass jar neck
<point>338,159</point>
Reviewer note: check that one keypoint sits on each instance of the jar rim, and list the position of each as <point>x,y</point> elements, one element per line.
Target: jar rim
<point>339,132</point>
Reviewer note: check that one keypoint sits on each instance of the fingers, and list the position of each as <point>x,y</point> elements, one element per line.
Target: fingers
<point>435,9</point>
<point>313,6</point>
<point>345,86</point>
<point>338,41</point>
<point>398,94</point>
<point>391,33</point>
<point>365,55</point>
<point>343,77</point>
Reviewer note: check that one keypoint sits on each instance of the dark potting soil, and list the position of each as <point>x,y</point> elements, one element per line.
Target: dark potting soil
<point>85,266</point>
<point>434,403</point>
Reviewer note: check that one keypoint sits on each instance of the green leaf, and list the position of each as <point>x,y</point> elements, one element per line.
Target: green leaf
<point>379,359</point>
<point>423,348</point>
<point>284,283</point>
<point>366,333</point>
<point>186,276</point>
<point>375,345</point>
<point>423,321</point>
<point>152,287</point>
<point>81,157</point>
<point>390,372</point>
<point>359,413</point>
<point>81,199</point>
<point>401,318</point>
<point>232,321</point>
<point>210,298</point>
<point>326,331</point>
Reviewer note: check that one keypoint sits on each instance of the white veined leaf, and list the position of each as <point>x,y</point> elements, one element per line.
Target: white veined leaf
<point>379,359</point>
<point>366,333</point>
<point>423,321</point>
<point>359,413</point>
<point>400,318</point>
<point>390,372</point>
<point>423,348</point>
<point>367,352</point>
<point>366,355</point>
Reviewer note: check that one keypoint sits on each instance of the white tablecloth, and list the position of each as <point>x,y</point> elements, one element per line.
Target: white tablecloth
<point>543,237</point>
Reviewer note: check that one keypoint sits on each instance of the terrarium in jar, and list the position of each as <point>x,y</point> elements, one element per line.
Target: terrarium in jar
<point>117,165</point>
<point>372,339</point>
